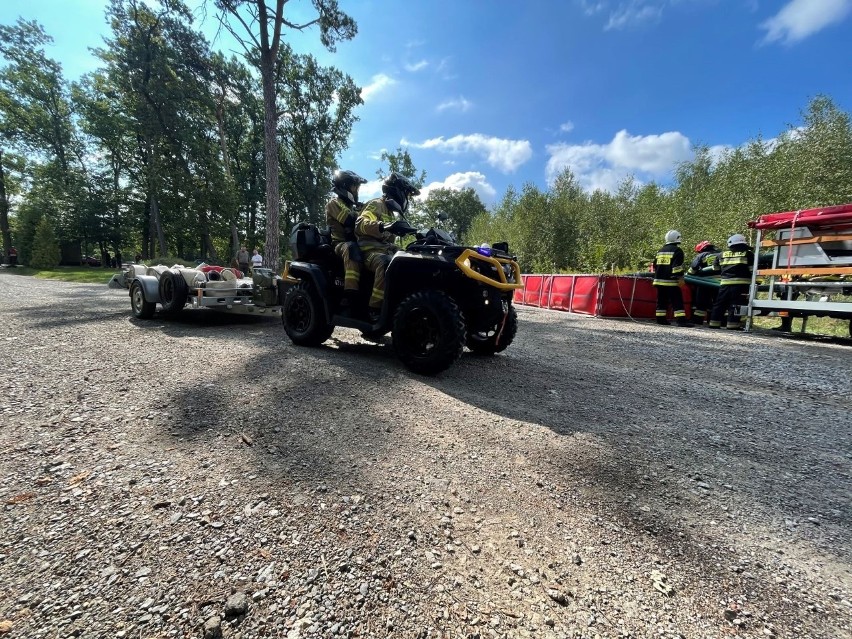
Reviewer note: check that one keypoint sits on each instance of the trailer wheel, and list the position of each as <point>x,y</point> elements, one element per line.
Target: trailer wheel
<point>141,308</point>
<point>173,292</point>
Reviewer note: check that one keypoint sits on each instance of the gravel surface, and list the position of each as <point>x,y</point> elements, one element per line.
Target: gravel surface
<point>203,477</point>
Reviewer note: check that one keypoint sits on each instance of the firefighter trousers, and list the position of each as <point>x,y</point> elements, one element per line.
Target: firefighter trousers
<point>702,302</point>
<point>730,297</point>
<point>351,267</point>
<point>378,264</point>
<point>669,295</point>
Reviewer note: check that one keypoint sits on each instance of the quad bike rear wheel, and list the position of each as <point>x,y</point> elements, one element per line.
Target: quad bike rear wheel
<point>494,340</point>
<point>428,332</point>
<point>303,317</point>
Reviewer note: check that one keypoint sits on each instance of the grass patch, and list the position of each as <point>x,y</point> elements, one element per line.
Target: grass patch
<point>79,274</point>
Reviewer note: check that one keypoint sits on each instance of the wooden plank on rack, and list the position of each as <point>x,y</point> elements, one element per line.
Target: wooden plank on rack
<point>808,240</point>
<point>809,270</point>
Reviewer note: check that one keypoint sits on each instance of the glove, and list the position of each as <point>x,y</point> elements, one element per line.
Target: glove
<point>400,227</point>
<point>349,223</point>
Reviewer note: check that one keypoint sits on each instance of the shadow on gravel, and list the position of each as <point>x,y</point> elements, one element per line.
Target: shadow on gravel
<point>728,424</point>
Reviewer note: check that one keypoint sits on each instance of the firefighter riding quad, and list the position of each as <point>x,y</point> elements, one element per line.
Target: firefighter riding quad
<point>439,297</point>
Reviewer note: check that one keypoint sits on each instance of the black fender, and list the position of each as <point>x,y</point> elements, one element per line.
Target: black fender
<point>316,275</point>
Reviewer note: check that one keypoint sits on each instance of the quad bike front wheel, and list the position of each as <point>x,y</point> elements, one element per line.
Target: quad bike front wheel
<point>303,317</point>
<point>497,339</point>
<point>428,332</point>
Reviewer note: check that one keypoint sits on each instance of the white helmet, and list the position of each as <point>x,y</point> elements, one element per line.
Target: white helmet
<point>736,239</point>
<point>673,237</point>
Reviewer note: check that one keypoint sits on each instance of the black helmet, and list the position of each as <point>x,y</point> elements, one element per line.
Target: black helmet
<point>398,188</point>
<point>346,185</point>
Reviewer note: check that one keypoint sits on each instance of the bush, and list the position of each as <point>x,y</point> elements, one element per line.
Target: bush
<point>46,252</point>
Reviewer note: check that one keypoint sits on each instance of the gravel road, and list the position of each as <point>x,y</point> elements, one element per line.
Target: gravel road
<point>203,477</point>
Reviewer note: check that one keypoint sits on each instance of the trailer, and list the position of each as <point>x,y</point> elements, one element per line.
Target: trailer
<point>811,270</point>
<point>217,288</point>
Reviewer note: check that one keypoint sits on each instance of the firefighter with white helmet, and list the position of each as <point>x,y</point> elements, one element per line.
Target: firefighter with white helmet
<point>734,266</point>
<point>668,273</point>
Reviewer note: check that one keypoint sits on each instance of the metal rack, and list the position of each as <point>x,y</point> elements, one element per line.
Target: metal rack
<point>812,244</point>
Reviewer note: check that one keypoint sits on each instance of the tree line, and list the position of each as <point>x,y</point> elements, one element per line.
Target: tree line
<point>173,150</point>
<point>566,229</point>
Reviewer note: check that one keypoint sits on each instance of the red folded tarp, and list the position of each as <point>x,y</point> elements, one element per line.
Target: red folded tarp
<point>827,216</point>
<point>598,295</point>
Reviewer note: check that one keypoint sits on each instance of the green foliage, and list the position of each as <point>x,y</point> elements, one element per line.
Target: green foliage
<point>45,251</point>
<point>568,229</point>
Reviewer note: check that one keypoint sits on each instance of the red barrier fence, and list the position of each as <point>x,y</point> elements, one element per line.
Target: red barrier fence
<point>598,295</point>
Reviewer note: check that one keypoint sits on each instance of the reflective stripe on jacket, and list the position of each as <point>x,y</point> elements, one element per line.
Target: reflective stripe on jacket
<point>336,212</point>
<point>705,264</point>
<point>735,265</point>
<point>668,266</point>
<point>367,228</point>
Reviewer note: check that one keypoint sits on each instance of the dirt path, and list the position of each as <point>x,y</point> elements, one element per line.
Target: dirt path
<point>204,477</point>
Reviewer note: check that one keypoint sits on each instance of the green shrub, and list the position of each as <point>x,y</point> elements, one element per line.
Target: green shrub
<point>46,252</point>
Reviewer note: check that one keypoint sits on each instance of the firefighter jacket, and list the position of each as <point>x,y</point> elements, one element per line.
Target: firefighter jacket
<point>668,265</point>
<point>341,221</point>
<point>371,239</point>
<point>735,265</point>
<point>704,264</point>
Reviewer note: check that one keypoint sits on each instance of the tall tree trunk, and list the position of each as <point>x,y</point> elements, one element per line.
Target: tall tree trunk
<point>4,215</point>
<point>270,133</point>
<point>157,226</point>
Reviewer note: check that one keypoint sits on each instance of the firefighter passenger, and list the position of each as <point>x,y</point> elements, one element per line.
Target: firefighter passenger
<point>375,230</point>
<point>668,273</point>
<point>703,265</point>
<point>340,216</point>
<point>734,266</point>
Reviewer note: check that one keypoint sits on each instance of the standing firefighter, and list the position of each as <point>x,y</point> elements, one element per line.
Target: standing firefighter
<point>375,230</point>
<point>340,216</point>
<point>735,267</point>
<point>703,265</point>
<point>668,272</point>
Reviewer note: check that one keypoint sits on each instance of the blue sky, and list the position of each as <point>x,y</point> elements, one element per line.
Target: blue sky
<point>495,93</point>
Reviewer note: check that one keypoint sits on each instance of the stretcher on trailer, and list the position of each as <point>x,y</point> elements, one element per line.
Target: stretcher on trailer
<point>217,288</point>
<point>811,270</point>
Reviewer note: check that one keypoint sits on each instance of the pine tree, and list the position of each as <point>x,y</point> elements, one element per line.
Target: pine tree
<point>46,250</point>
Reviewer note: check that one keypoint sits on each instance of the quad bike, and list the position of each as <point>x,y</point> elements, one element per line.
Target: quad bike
<point>439,297</point>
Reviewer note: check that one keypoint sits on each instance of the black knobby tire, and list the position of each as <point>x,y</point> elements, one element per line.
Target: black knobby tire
<point>428,332</point>
<point>303,317</point>
<point>487,343</point>
<point>141,308</point>
<point>173,292</point>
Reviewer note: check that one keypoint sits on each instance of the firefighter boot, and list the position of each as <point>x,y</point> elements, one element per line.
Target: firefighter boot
<point>349,303</point>
<point>663,321</point>
<point>684,323</point>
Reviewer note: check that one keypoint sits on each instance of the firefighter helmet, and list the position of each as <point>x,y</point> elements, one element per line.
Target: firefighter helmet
<point>398,188</point>
<point>703,246</point>
<point>673,237</point>
<point>346,185</point>
<point>736,238</point>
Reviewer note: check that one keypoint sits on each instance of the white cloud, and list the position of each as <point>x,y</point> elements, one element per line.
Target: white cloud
<point>458,181</point>
<point>633,13</point>
<point>373,188</point>
<point>799,19</point>
<point>505,155</point>
<point>603,166</point>
<point>459,104</point>
<point>416,66</point>
<point>379,83</point>
<point>566,127</point>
